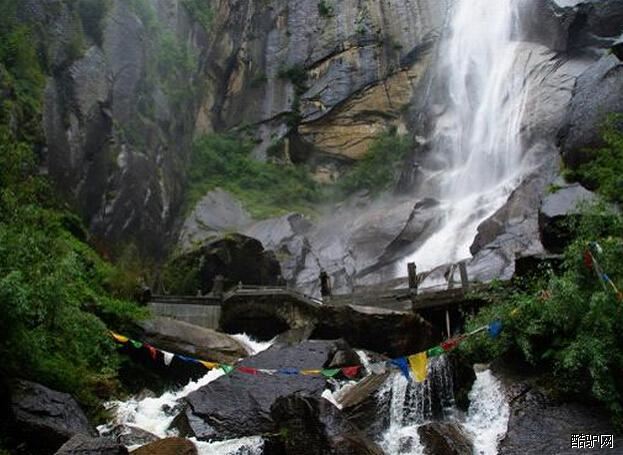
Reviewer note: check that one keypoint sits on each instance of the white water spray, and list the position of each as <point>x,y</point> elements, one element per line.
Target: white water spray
<point>156,414</point>
<point>476,143</point>
<point>487,418</point>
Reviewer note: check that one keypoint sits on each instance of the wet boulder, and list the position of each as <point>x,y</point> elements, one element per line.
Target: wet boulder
<point>217,212</point>
<point>394,333</point>
<point>129,435</point>
<point>447,438</point>
<point>45,418</point>
<point>85,445</point>
<point>236,257</point>
<point>598,92</point>
<point>312,426</point>
<point>191,340</point>
<point>238,404</point>
<point>168,446</point>
<point>365,407</point>
<point>617,48</point>
<point>557,210</point>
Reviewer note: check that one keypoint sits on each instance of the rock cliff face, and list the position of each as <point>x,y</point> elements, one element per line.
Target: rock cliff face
<point>117,126</point>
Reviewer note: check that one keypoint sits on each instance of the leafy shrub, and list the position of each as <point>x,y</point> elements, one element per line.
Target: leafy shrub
<point>92,14</point>
<point>567,323</point>
<point>377,170</point>
<point>605,169</point>
<point>325,9</point>
<point>266,189</point>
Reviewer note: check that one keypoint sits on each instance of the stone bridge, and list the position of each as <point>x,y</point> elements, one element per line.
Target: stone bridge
<point>373,317</point>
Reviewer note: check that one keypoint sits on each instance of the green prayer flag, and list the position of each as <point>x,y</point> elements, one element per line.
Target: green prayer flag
<point>227,368</point>
<point>330,372</point>
<point>436,351</point>
<point>136,344</point>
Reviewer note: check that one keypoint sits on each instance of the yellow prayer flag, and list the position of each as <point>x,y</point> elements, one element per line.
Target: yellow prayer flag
<point>310,372</point>
<point>209,365</point>
<point>419,366</point>
<point>119,338</point>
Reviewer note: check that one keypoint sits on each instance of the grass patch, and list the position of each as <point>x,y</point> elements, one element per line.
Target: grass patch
<point>378,170</point>
<point>266,189</point>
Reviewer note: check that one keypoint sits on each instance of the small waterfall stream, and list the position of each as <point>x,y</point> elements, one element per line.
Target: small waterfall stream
<point>476,151</point>
<point>412,405</point>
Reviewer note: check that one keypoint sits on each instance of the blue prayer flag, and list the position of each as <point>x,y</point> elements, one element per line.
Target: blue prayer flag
<point>495,328</point>
<point>401,362</point>
<point>288,371</point>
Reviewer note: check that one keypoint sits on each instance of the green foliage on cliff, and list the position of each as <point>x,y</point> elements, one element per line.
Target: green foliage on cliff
<point>568,324</point>
<point>605,168</point>
<point>201,11</point>
<point>378,170</point>
<point>54,289</point>
<point>266,189</point>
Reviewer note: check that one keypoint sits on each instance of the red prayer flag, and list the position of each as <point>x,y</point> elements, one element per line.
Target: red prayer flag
<point>152,351</point>
<point>351,372</point>
<point>452,343</point>
<point>588,259</point>
<point>247,370</point>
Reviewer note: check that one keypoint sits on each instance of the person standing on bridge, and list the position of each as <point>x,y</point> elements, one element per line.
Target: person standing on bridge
<point>325,284</point>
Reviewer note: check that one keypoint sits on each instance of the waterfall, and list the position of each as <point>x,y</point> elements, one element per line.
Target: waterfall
<point>476,151</point>
<point>487,418</point>
<point>155,414</point>
<point>413,404</point>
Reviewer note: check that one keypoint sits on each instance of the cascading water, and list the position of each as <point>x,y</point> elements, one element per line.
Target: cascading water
<point>156,414</point>
<point>476,148</point>
<point>411,405</point>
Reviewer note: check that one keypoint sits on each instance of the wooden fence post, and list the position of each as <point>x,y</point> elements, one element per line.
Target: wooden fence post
<point>464,277</point>
<point>412,272</point>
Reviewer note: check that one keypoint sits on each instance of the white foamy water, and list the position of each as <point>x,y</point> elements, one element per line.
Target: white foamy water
<point>411,405</point>
<point>156,414</point>
<point>487,418</point>
<point>477,137</point>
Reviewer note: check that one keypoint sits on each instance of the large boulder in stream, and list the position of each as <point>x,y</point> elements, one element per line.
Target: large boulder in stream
<point>167,446</point>
<point>312,426</point>
<point>239,404</point>
<point>45,418</point>
<point>191,340</point>
<point>447,438</point>
<point>85,445</point>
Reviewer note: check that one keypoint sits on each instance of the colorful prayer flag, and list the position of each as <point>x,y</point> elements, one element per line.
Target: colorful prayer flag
<point>495,328</point>
<point>136,344</point>
<point>588,259</point>
<point>186,359</point>
<point>403,365</point>
<point>288,371</point>
<point>329,373</point>
<point>152,351</point>
<point>310,372</point>
<point>419,366</point>
<point>450,344</point>
<point>119,338</point>
<point>209,365</point>
<point>435,352</point>
<point>227,368</point>
<point>377,368</point>
<point>247,370</point>
<point>168,357</point>
<point>351,372</point>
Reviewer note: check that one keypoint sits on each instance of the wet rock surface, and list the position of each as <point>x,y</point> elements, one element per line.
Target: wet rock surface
<point>235,257</point>
<point>239,404</point>
<point>45,418</point>
<point>85,445</point>
<point>314,426</point>
<point>191,340</point>
<point>557,210</point>
<point>129,435</point>
<point>445,438</point>
<point>168,446</point>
